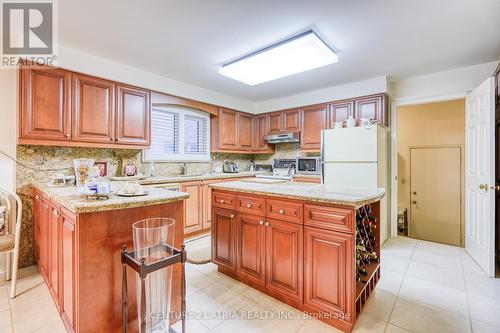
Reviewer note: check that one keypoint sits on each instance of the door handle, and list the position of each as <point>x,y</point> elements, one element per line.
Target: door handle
<point>496,187</point>
<point>414,202</point>
<point>483,187</point>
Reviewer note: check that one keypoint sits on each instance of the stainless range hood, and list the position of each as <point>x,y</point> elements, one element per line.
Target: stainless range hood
<point>282,138</point>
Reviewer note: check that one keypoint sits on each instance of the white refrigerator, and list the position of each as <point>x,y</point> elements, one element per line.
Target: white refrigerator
<point>358,157</point>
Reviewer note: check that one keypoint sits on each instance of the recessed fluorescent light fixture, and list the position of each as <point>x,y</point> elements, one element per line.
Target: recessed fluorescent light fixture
<point>294,55</point>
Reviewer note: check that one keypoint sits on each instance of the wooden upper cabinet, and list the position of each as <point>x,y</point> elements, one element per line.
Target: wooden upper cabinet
<point>261,130</point>
<point>291,121</point>
<point>45,104</point>
<point>93,109</point>
<point>228,129</point>
<point>245,131</point>
<point>340,111</point>
<point>133,116</point>
<point>275,122</point>
<point>313,120</point>
<point>371,107</point>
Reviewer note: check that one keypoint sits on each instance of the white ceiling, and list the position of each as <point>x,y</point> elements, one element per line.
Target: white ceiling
<point>186,40</point>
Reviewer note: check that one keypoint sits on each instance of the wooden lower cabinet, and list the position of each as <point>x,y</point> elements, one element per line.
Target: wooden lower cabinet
<point>250,246</point>
<point>328,267</point>
<point>284,244</point>
<point>193,210</point>
<point>223,238</point>
<point>55,229</point>
<point>41,210</point>
<point>68,263</point>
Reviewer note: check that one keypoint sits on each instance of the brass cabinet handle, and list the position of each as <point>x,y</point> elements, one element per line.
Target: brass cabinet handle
<point>496,187</point>
<point>56,213</point>
<point>221,200</point>
<point>231,216</point>
<point>483,187</point>
<point>267,224</point>
<point>281,211</point>
<point>37,197</point>
<point>68,135</point>
<point>249,205</point>
<point>261,222</point>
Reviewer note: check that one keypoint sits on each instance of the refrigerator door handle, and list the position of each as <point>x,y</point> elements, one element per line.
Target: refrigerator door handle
<point>322,162</point>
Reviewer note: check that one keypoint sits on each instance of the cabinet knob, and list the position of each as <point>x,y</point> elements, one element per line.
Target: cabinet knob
<point>68,135</point>
<point>231,216</point>
<point>56,213</point>
<point>37,197</point>
<point>261,222</point>
<point>221,200</point>
<point>249,205</point>
<point>267,224</point>
<point>281,211</point>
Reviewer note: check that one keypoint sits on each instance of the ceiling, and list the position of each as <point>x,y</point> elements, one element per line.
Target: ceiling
<point>186,40</point>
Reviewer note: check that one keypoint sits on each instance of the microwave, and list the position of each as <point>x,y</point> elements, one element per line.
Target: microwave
<point>309,165</point>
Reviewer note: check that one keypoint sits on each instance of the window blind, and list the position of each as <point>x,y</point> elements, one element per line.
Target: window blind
<point>195,136</point>
<point>164,134</point>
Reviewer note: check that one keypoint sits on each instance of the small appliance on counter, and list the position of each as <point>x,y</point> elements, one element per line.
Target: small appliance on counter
<point>282,169</point>
<point>251,166</point>
<point>309,165</point>
<point>230,167</point>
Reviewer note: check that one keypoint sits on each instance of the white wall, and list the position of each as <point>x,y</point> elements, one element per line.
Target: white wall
<point>361,88</point>
<point>85,63</point>
<point>453,82</point>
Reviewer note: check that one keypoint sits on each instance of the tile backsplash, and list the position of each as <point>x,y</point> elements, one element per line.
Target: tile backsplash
<point>44,161</point>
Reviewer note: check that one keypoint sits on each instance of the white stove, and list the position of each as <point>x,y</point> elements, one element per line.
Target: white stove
<point>283,169</point>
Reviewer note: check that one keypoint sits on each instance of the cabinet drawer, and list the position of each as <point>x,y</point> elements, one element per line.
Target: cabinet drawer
<point>327,217</point>
<point>284,210</point>
<point>223,200</point>
<point>251,205</point>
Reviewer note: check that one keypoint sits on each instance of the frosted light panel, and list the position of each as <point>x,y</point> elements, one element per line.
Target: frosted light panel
<point>290,57</point>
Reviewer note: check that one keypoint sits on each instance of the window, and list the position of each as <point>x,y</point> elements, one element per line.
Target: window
<point>178,134</point>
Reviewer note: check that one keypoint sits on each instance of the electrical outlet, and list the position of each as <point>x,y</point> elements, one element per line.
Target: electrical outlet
<point>39,160</point>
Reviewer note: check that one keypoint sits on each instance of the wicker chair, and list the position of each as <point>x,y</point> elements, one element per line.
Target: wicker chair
<point>9,242</point>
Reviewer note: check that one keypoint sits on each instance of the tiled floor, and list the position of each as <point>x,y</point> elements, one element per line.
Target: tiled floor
<point>425,287</point>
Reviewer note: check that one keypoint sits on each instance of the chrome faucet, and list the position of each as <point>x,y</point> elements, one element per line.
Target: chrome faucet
<point>184,169</point>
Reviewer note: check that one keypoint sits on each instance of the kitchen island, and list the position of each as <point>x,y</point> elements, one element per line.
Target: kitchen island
<point>77,245</point>
<point>300,243</point>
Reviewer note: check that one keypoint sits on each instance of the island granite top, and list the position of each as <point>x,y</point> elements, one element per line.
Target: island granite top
<point>69,197</point>
<point>306,191</point>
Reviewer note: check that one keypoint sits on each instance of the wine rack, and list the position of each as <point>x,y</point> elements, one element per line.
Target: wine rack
<point>367,252</point>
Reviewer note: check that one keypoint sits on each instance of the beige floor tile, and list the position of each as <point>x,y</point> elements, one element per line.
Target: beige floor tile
<point>393,246</point>
<point>482,285</point>
<point>445,298</point>
<point>5,322</point>
<point>436,248</point>
<point>484,309</point>
<point>316,326</point>
<point>4,298</point>
<point>390,281</point>
<point>470,266</point>
<point>439,260</point>
<point>27,318</point>
<point>417,317</point>
<point>380,305</point>
<point>366,323</point>
<point>251,318</point>
<point>192,325</point>
<point>196,281</point>
<point>480,327</point>
<point>232,284</point>
<point>395,329</point>
<point>55,327</point>
<point>394,263</point>
<point>431,273</point>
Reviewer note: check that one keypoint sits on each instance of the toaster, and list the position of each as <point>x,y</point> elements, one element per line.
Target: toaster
<point>230,167</point>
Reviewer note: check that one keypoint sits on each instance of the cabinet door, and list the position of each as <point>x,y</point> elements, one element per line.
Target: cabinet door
<point>313,120</point>
<point>45,104</point>
<point>250,247</point>
<point>261,130</point>
<point>133,116</point>
<point>93,109</point>
<point>291,120</point>
<point>371,107</point>
<point>329,271</point>
<point>68,261</point>
<point>193,207</point>
<point>275,122</point>
<point>223,238</point>
<point>244,131</point>
<point>284,258</point>
<point>36,211</point>
<point>228,129</point>
<point>340,111</point>
<point>43,224</point>
<point>54,253</point>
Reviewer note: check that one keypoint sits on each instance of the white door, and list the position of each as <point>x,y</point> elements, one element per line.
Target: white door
<point>480,176</point>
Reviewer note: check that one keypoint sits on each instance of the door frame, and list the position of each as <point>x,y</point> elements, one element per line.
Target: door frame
<point>462,183</point>
<point>395,104</point>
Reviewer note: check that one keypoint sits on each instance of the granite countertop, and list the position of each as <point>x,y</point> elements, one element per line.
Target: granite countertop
<point>307,191</point>
<point>300,175</point>
<point>206,176</point>
<point>69,197</point>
